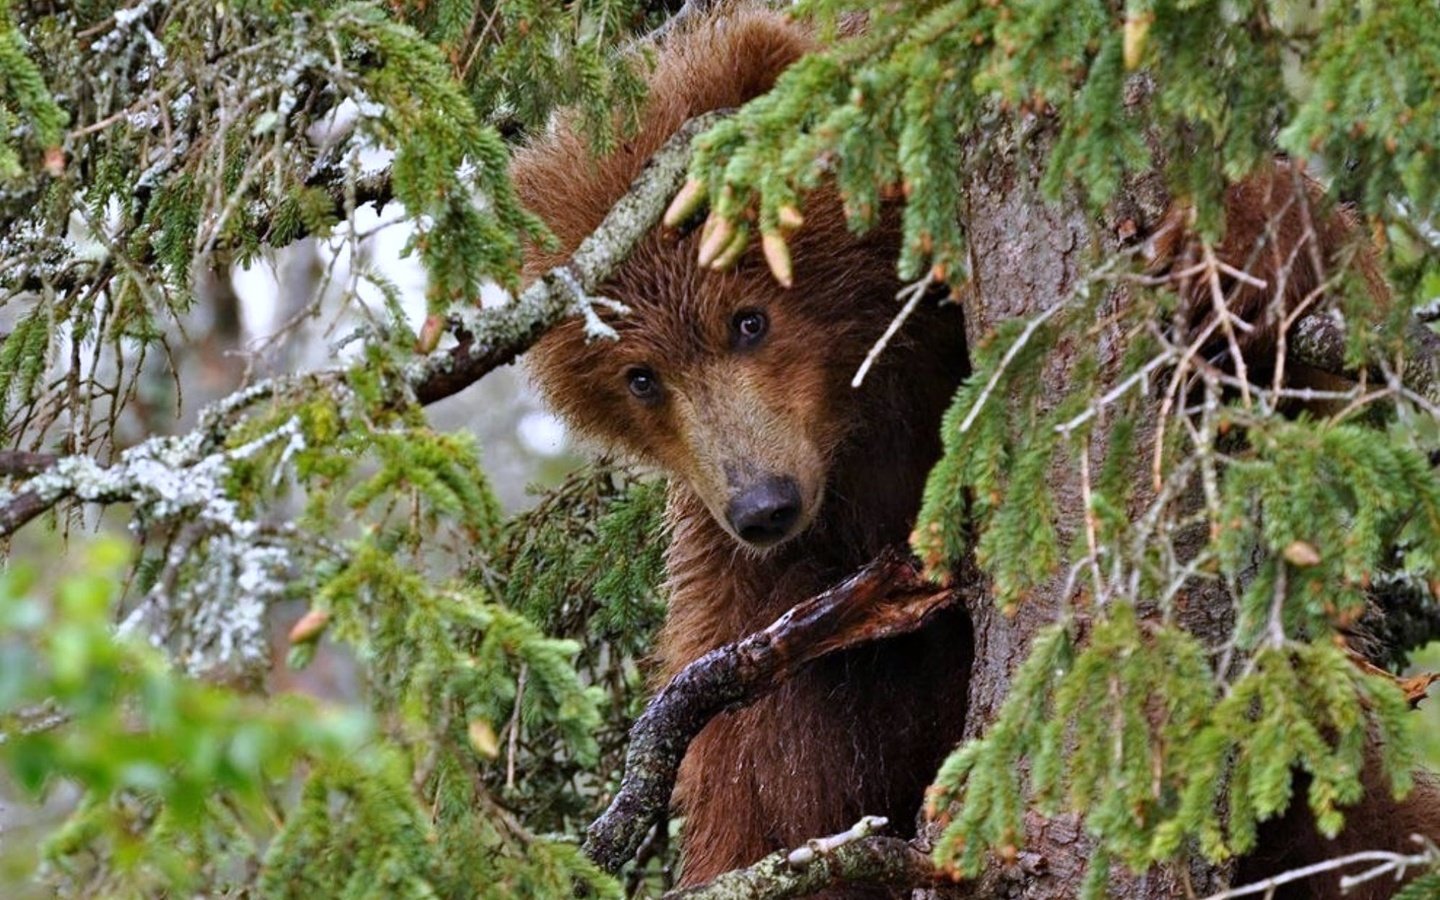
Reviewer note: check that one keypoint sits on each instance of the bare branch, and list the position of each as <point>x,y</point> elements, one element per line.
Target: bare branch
<point>912,294</point>
<point>1318,340</point>
<point>1390,863</point>
<point>851,857</point>
<point>886,598</point>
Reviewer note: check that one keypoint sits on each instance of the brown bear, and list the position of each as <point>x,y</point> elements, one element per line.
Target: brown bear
<point>783,479</point>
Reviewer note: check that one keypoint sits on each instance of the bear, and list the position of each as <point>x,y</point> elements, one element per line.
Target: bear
<point>783,479</point>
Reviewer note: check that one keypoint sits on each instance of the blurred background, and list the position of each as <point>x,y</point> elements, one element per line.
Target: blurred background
<point>290,311</point>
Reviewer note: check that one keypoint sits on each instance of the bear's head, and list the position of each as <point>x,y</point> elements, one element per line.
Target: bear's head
<point>725,380</point>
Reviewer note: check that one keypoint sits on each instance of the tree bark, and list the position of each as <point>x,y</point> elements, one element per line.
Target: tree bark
<point>1026,253</point>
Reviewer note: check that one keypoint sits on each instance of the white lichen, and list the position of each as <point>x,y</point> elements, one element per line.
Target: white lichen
<point>221,569</point>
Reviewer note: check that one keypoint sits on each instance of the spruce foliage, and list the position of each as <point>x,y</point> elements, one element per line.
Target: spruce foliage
<point>142,145</point>
<point>1170,748</point>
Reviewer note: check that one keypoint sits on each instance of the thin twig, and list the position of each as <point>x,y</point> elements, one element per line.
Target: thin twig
<point>1391,862</point>
<point>514,741</point>
<point>912,294</point>
<point>1014,350</point>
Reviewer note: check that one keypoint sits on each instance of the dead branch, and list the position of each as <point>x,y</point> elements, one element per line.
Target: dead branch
<point>886,598</point>
<point>851,857</point>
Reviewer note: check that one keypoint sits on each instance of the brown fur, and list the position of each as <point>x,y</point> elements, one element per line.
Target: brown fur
<point>858,733</point>
<point>1279,228</point>
<point>861,733</point>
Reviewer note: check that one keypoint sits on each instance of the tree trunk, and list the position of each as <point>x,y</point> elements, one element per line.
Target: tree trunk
<point>1027,253</point>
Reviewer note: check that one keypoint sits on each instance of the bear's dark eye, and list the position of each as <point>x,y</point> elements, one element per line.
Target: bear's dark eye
<point>750,327</point>
<point>643,384</point>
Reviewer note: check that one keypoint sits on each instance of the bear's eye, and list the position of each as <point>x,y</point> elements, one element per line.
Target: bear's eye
<point>643,384</point>
<point>750,327</point>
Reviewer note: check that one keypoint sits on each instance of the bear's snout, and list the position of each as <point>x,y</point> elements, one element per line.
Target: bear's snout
<point>765,513</point>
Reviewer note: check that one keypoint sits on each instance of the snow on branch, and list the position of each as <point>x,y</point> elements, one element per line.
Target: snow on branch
<point>888,597</point>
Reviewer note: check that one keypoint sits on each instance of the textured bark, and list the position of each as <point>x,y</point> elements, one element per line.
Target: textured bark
<point>1026,253</point>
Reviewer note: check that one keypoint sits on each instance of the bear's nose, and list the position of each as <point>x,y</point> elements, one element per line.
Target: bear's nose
<point>765,512</point>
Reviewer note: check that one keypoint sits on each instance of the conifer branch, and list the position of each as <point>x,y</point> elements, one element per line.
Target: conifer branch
<point>886,598</point>
<point>374,188</point>
<point>490,339</point>
<point>496,337</point>
<point>852,857</point>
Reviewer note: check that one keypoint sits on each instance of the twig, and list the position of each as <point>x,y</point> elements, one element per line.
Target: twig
<point>886,598</point>
<point>515,728</point>
<point>1390,862</point>
<point>1227,321</point>
<point>1140,378</point>
<point>1014,350</point>
<point>804,856</point>
<point>912,294</point>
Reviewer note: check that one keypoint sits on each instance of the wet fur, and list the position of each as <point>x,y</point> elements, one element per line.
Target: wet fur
<point>861,732</point>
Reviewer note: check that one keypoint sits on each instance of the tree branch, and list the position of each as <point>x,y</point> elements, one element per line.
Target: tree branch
<point>21,463</point>
<point>886,598</point>
<point>23,507</point>
<point>489,338</point>
<point>497,336</point>
<point>1318,340</point>
<point>851,857</point>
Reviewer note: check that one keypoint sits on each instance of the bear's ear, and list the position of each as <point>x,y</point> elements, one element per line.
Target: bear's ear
<point>716,62</point>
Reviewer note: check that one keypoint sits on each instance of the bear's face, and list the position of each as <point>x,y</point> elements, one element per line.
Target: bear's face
<point>726,381</point>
